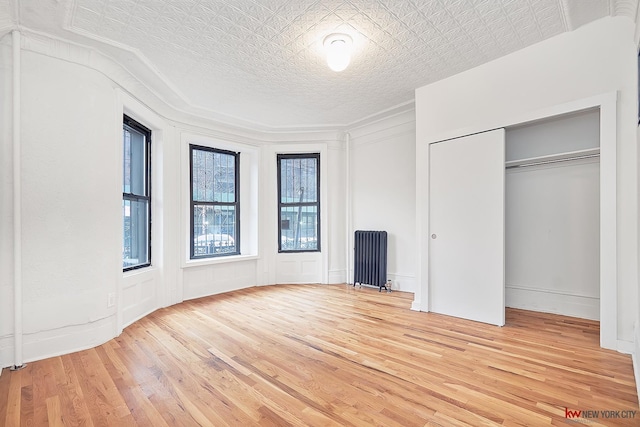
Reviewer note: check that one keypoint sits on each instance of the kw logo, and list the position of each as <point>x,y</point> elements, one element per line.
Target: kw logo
<point>593,414</point>
<point>571,414</point>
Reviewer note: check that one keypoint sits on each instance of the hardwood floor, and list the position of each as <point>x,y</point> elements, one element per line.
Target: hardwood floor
<point>311,355</point>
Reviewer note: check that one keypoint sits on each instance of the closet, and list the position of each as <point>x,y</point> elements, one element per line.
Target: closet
<point>514,220</point>
<point>552,215</point>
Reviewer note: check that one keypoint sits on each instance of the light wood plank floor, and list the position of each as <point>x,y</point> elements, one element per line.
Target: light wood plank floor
<point>312,355</point>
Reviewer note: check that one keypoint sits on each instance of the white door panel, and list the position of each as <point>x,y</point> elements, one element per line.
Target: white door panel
<point>466,227</point>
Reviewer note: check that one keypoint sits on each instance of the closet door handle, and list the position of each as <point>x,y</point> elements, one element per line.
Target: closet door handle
<point>433,236</point>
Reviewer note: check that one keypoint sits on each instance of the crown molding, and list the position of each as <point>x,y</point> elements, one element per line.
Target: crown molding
<point>386,114</point>
<point>151,79</point>
<point>129,68</point>
<point>141,66</point>
<point>10,21</point>
<point>566,21</point>
<point>165,105</point>
<point>628,8</point>
<point>388,129</point>
<point>5,30</point>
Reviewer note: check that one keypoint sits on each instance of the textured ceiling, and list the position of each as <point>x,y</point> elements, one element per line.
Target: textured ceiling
<point>262,62</point>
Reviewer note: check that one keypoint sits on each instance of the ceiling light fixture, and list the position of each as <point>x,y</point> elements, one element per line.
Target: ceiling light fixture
<point>338,48</point>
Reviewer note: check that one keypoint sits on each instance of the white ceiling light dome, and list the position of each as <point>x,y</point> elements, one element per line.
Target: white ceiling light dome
<point>338,47</point>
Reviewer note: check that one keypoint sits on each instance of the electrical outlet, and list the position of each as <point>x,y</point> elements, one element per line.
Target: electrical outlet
<point>111,299</point>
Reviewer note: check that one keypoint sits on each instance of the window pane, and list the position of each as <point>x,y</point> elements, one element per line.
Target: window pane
<point>298,180</point>
<point>225,176</point>
<point>214,176</point>
<point>202,176</point>
<point>298,228</point>
<point>126,178</point>
<point>214,230</point>
<point>135,245</point>
<point>134,162</point>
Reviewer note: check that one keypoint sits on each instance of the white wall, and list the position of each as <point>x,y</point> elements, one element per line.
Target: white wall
<point>335,213</point>
<point>69,207</point>
<point>383,179</point>
<point>596,59</point>
<point>552,219</point>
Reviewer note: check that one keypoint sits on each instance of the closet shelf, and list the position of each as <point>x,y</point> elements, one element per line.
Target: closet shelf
<point>552,158</point>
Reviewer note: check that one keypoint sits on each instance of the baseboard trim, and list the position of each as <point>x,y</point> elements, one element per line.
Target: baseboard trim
<point>337,276</point>
<point>626,347</point>
<point>196,292</point>
<point>402,282</point>
<point>6,351</point>
<point>552,301</point>
<point>69,339</point>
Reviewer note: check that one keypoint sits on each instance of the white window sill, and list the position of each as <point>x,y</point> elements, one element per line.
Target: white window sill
<point>217,260</point>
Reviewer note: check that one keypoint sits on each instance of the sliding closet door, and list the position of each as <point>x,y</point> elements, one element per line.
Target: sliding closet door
<point>466,226</point>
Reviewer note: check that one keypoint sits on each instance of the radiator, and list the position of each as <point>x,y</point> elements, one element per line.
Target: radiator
<point>370,259</point>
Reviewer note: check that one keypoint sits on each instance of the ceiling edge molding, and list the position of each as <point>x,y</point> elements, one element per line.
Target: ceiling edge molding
<point>87,56</point>
<point>166,90</point>
<point>305,137</point>
<point>161,97</point>
<point>384,130</point>
<point>628,8</point>
<point>382,115</point>
<point>128,82</point>
<point>4,31</point>
<point>165,105</point>
<point>386,136</point>
<point>137,54</point>
<point>636,21</point>
<point>566,17</point>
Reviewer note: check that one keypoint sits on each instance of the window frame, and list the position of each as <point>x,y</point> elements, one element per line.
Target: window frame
<point>236,203</point>
<point>137,126</point>
<point>280,157</point>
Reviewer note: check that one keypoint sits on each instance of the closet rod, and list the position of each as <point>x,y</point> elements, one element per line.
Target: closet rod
<point>545,162</point>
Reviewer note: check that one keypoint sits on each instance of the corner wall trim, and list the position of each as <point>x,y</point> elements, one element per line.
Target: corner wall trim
<point>17,204</point>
